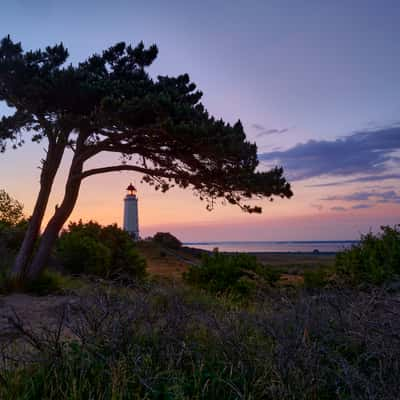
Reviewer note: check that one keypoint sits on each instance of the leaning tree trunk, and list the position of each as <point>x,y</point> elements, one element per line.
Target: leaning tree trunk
<point>49,170</point>
<point>57,221</point>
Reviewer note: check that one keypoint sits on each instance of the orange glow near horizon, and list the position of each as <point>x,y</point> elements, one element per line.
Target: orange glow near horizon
<point>180,212</point>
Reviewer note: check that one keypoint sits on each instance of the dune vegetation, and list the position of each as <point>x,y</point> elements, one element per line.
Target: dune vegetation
<point>107,321</point>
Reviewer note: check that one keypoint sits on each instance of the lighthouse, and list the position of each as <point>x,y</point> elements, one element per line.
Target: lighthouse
<point>131,221</point>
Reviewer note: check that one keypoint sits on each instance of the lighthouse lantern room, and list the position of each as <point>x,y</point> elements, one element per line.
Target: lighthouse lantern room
<point>131,221</point>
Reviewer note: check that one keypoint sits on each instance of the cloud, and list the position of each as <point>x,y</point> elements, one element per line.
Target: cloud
<point>338,209</point>
<point>272,131</point>
<point>362,179</point>
<point>365,153</point>
<point>319,207</point>
<point>258,127</point>
<point>389,196</point>
<point>263,131</point>
<point>380,187</point>
<point>361,206</point>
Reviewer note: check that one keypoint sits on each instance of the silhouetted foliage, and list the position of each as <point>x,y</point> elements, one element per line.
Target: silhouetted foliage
<point>239,274</point>
<point>105,251</point>
<point>374,260</point>
<point>11,210</point>
<point>48,282</point>
<point>315,278</point>
<point>109,103</point>
<point>12,228</point>
<point>166,239</point>
<point>11,236</point>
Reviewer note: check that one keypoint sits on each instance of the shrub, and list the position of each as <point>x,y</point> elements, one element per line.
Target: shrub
<point>105,251</point>
<point>374,260</point>
<point>328,345</point>
<point>221,273</point>
<point>124,255</point>
<point>12,230</point>
<point>11,210</point>
<point>315,278</point>
<point>11,237</point>
<point>168,240</point>
<point>47,283</point>
<point>80,253</point>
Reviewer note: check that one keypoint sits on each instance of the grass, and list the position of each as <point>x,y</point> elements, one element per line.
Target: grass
<point>292,267</point>
<point>49,282</point>
<point>167,342</point>
<point>162,339</point>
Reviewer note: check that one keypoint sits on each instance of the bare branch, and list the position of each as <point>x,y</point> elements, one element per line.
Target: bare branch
<point>125,167</point>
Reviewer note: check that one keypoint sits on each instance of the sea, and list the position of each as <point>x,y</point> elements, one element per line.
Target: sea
<point>332,246</point>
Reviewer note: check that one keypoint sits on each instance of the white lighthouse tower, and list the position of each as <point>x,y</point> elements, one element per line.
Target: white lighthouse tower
<point>131,221</point>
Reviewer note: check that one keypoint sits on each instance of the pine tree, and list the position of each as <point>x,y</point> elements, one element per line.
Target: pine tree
<point>109,103</point>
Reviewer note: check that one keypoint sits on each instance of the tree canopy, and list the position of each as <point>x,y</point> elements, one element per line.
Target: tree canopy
<point>109,103</point>
<point>11,210</point>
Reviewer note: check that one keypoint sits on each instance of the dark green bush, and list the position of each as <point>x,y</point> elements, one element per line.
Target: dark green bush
<point>48,282</point>
<point>239,274</point>
<point>105,251</point>
<point>374,260</point>
<point>11,210</point>
<point>168,240</point>
<point>317,278</point>
<point>80,253</point>
<point>11,236</point>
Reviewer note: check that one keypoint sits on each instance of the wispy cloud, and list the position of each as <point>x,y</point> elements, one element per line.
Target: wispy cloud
<point>319,207</point>
<point>369,153</point>
<point>338,209</point>
<point>258,127</point>
<point>272,131</point>
<point>362,179</point>
<point>389,196</point>
<point>361,206</point>
<point>263,131</point>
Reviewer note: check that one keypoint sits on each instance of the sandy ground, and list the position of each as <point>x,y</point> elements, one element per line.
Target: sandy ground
<point>33,311</point>
<point>164,263</point>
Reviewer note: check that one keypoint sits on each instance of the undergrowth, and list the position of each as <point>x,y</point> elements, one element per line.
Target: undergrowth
<point>375,260</point>
<point>48,282</point>
<point>238,275</point>
<point>160,343</point>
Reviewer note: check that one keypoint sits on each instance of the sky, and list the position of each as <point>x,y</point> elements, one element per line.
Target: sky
<point>315,84</point>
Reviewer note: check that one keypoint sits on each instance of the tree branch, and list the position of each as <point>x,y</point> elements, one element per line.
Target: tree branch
<point>125,167</point>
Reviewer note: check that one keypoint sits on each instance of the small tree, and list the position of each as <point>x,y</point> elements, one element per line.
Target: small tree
<point>11,210</point>
<point>100,250</point>
<point>108,103</point>
<point>375,259</point>
<point>168,240</point>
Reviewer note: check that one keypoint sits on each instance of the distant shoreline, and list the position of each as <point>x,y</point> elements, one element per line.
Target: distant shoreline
<point>275,258</point>
<point>269,242</point>
<point>307,253</point>
<point>256,253</point>
<point>276,247</point>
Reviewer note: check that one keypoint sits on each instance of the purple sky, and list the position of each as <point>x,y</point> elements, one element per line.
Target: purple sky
<point>315,83</point>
